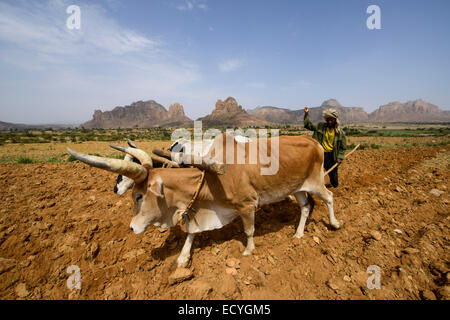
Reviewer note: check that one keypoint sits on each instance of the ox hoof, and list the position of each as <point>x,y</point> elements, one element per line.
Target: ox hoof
<point>336,225</point>
<point>183,263</point>
<point>247,252</point>
<point>298,236</point>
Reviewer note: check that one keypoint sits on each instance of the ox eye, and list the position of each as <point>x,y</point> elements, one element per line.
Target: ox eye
<point>139,197</point>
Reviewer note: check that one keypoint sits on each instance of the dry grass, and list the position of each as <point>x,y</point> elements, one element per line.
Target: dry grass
<point>57,152</point>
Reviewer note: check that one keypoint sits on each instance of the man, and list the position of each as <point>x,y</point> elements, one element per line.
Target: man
<point>332,138</point>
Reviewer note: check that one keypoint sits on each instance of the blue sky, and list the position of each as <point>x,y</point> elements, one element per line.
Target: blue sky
<point>288,54</point>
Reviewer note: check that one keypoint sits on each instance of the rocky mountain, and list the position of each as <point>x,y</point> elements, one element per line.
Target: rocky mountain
<point>176,117</point>
<point>346,114</point>
<point>287,116</point>
<point>229,113</point>
<point>278,115</point>
<point>411,111</point>
<point>142,114</point>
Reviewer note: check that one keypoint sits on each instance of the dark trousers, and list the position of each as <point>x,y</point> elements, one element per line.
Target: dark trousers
<point>328,163</point>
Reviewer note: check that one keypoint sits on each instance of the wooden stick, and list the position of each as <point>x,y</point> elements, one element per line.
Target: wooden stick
<point>336,164</point>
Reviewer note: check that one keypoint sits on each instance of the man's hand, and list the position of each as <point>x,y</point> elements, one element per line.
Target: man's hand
<point>339,161</point>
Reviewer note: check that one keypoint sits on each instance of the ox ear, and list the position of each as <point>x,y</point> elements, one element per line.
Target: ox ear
<point>157,188</point>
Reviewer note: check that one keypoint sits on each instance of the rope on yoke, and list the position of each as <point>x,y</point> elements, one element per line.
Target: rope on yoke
<point>185,214</point>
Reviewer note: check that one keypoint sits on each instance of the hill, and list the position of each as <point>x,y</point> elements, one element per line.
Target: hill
<point>4,126</point>
<point>411,111</point>
<point>229,113</point>
<point>287,116</point>
<point>142,114</point>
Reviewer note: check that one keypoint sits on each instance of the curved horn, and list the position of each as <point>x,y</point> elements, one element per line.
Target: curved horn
<point>131,143</point>
<point>130,169</point>
<point>173,164</point>
<point>207,163</point>
<point>163,153</point>
<point>166,155</point>
<point>141,155</point>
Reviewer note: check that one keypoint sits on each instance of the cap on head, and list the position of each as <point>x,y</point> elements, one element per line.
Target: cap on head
<point>330,113</point>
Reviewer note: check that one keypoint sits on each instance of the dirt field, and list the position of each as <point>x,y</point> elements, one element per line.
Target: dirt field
<point>54,215</point>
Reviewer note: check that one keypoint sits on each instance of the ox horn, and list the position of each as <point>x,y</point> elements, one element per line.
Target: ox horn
<point>131,143</point>
<point>129,169</point>
<point>208,163</point>
<point>144,156</point>
<point>171,163</point>
<point>139,154</point>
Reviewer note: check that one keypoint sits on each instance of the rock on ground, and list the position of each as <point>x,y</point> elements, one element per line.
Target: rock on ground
<point>376,235</point>
<point>200,289</point>
<point>436,192</point>
<point>180,275</point>
<point>21,290</point>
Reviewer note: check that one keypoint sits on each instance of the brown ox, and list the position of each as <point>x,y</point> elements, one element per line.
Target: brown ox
<point>161,195</point>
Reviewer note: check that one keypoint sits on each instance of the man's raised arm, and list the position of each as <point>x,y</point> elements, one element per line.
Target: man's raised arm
<point>307,123</point>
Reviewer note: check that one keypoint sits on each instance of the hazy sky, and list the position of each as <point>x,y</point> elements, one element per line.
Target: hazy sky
<point>288,54</point>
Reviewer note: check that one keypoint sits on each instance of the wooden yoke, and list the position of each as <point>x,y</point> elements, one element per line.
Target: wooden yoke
<point>207,163</point>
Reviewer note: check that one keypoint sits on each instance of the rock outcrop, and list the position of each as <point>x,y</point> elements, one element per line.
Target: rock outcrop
<point>278,115</point>
<point>411,111</point>
<point>346,114</point>
<point>141,114</point>
<point>229,113</point>
<point>287,116</point>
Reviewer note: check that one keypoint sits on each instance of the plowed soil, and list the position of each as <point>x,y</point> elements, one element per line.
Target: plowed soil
<point>54,215</point>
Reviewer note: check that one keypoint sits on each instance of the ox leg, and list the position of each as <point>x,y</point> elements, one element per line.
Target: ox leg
<point>185,254</point>
<point>305,208</point>
<point>248,220</point>
<point>327,196</point>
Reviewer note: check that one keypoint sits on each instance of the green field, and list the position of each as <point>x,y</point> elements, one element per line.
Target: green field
<point>49,146</point>
<point>157,133</point>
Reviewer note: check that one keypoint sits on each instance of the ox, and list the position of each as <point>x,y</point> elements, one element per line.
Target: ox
<point>161,195</point>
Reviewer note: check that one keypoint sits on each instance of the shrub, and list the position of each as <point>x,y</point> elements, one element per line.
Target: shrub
<point>375,146</point>
<point>24,160</point>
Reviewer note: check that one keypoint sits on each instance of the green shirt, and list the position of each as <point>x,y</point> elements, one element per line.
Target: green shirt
<point>340,143</point>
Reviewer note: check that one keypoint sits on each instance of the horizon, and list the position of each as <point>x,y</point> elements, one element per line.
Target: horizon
<point>285,54</point>
<point>197,119</point>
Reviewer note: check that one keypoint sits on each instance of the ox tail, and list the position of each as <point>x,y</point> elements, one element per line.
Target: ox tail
<point>310,200</point>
